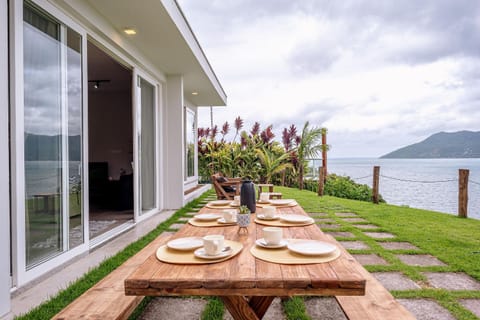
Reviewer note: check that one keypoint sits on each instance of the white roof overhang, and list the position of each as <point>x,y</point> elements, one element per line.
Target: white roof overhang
<point>164,37</point>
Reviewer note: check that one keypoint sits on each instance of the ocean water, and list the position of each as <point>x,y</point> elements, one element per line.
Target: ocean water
<point>430,184</point>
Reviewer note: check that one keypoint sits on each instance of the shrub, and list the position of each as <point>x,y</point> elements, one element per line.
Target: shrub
<point>343,187</point>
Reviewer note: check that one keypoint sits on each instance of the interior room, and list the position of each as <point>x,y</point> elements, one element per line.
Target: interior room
<point>110,142</point>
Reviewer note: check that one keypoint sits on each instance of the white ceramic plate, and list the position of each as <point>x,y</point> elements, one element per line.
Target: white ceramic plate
<point>263,217</point>
<point>262,243</point>
<point>220,202</point>
<point>312,247</point>
<point>281,202</point>
<point>222,220</point>
<point>263,201</point>
<point>200,253</point>
<point>295,218</point>
<point>233,204</point>
<point>185,244</point>
<point>206,217</point>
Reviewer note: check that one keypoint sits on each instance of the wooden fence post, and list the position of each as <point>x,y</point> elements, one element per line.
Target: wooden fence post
<point>463,192</point>
<point>320,181</point>
<point>376,181</point>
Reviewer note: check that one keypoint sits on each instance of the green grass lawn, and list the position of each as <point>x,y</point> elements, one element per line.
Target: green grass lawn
<point>453,240</point>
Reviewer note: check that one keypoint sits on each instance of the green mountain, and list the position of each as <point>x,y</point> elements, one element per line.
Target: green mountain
<point>461,144</point>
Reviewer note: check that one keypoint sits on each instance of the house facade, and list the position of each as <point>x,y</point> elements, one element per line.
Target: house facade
<point>99,107</point>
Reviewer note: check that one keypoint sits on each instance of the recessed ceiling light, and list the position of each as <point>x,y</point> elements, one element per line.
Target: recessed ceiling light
<point>130,31</point>
<point>195,93</point>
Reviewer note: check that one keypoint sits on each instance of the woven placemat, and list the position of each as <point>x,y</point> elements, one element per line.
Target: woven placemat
<point>281,223</point>
<point>214,223</point>
<point>285,256</point>
<point>258,205</point>
<point>168,255</point>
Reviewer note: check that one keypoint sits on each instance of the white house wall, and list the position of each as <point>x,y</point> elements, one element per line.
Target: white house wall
<point>173,138</point>
<point>4,166</point>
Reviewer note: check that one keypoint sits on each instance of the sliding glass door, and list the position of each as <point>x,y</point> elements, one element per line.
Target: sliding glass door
<point>146,130</point>
<point>53,131</point>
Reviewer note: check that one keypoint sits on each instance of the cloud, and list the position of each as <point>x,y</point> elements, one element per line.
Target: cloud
<point>388,73</point>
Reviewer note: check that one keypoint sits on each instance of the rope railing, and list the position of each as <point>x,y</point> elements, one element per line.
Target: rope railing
<point>418,181</point>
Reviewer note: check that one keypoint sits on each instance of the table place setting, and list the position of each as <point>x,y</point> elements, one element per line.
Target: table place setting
<point>228,217</point>
<point>273,248</point>
<point>196,250</point>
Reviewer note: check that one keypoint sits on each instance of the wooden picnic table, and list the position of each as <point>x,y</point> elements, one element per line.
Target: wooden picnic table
<point>248,285</point>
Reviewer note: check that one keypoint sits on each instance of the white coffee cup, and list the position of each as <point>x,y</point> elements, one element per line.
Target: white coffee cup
<point>264,196</point>
<point>229,215</point>
<point>236,200</point>
<point>269,211</point>
<point>213,244</point>
<point>272,235</point>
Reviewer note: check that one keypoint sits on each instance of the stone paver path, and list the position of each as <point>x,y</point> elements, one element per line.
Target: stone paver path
<point>173,308</point>
<point>366,226</point>
<point>380,235</point>
<point>424,309</point>
<point>397,246</point>
<point>452,281</point>
<point>472,304</point>
<point>355,245</point>
<point>423,260</point>
<point>324,308</point>
<point>370,260</point>
<point>395,281</point>
<point>346,214</point>
<point>354,220</point>
<point>340,234</point>
<point>328,226</point>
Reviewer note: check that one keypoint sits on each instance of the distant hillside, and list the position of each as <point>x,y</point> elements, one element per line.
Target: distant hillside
<point>462,144</point>
<point>43,148</point>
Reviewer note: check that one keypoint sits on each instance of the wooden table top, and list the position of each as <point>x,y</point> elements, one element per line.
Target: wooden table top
<point>246,275</point>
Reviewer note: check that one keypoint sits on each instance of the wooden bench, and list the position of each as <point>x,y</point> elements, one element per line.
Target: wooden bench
<point>377,303</point>
<point>107,299</point>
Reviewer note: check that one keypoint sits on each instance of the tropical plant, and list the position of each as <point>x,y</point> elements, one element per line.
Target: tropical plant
<point>272,163</point>
<point>308,146</point>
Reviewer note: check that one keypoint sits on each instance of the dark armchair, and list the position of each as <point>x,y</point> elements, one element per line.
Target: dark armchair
<point>226,188</point>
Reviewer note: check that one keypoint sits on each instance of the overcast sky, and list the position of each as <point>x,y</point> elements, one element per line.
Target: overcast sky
<point>378,74</point>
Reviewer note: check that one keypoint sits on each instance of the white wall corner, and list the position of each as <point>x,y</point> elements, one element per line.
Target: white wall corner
<point>5,283</point>
<point>174,143</point>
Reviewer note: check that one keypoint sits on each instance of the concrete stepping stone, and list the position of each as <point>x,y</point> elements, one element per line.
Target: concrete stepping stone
<point>354,220</point>
<point>379,235</point>
<point>366,226</point>
<point>424,309</point>
<point>325,308</point>
<point>355,245</point>
<point>340,234</point>
<point>346,214</point>
<point>185,219</point>
<point>176,226</point>
<point>395,281</point>
<point>370,260</point>
<point>420,260</point>
<point>325,220</point>
<point>471,304</point>
<point>173,308</point>
<point>190,214</point>
<point>274,312</point>
<point>318,214</point>
<point>452,281</point>
<point>397,246</point>
<point>328,226</point>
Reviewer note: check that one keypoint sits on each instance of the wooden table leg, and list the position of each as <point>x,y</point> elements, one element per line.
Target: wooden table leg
<point>241,309</point>
<point>260,305</point>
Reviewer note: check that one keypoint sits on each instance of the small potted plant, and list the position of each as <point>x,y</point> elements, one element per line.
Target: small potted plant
<point>243,217</point>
